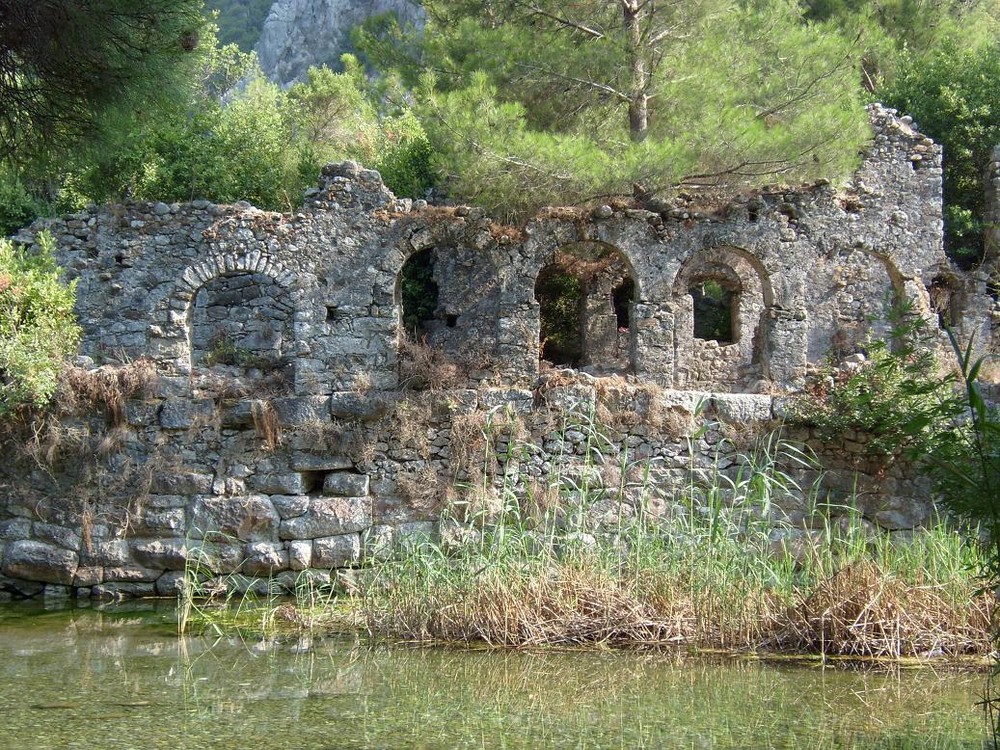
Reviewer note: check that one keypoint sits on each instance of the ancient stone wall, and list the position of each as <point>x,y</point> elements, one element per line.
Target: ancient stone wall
<point>281,433</point>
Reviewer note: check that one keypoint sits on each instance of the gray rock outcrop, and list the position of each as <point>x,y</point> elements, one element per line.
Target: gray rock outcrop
<point>299,34</point>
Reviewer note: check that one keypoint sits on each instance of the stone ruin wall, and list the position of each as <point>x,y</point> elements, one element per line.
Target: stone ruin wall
<point>282,432</point>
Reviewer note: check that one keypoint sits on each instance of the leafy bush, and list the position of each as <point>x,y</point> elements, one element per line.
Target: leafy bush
<point>896,397</point>
<point>38,328</point>
<point>955,98</point>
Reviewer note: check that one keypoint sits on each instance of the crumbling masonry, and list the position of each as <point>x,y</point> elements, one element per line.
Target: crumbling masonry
<point>296,426</point>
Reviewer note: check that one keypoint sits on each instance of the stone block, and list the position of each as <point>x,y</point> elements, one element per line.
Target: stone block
<point>290,506</point>
<point>37,561</point>
<point>277,483</point>
<point>742,408</point>
<point>339,551</point>
<point>15,528</point>
<point>161,554</point>
<point>214,557</point>
<point>170,583</point>
<point>88,576</point>
<point>60,536</point>
<point>131,574</point>
<point>320,462</point>
<point>183,413</point>
<point>169,522</point>
<point>181,482</point>
<point>345,484</point>
<point>361,407</point>
<point>264,559</point>
<point>300,555</point>
<point>110,553</point>
<point>250,519</point>
<point>165,501</point>
<point>302,410</point>
<point>329,516</point>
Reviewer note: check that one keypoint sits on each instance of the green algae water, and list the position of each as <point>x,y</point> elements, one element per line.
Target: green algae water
<point>122,678</point>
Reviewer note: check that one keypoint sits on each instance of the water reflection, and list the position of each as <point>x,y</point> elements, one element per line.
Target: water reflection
<point>122,678</point>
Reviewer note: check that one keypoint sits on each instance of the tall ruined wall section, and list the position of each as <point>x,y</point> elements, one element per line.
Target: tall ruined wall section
<point>280,436</point>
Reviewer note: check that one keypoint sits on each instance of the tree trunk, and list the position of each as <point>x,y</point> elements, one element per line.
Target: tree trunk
<point>638,101</point>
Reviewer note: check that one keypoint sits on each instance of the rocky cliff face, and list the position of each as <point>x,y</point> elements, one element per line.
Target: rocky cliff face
<point>300,33</point>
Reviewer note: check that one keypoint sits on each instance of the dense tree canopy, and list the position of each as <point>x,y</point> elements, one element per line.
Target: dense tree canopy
<point>64,62</point>
<point>537,101</point>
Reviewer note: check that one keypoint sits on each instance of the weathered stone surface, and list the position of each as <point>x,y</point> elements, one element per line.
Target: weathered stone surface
<point>300,555</point>
<point>302,410</point>
<point>290,506</point>
<point>247,314</point>
<point>131,574</point>
<point>36,561</point>
<point>264,559</point>
<point>320,462</point>
<point>161,554</point>
<point>88,576</point>
<point>329,516</point>
<point>215,557</point>
<point>110,553</point>
<point>742,408</point>
<point>182,413</point>
<point>345,484</point>
<point>251,518</point>
<point>15,528</point>
<point>361,407</point>
<point>170,583</point>
<point>284,483</point>
<point>336,551</point>
<point>181,483</point>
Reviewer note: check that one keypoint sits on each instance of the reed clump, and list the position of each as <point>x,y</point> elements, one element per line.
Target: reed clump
<point>719,573</point>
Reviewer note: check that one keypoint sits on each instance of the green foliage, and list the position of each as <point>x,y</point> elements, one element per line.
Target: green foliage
<point>895,398</point>
<point>206,146</point>
<point>38,327</point>
<point>543,102</point>
<point>17,206</point>
<point>240,21</point>
<point>560,296</point>
<point>66,62</point>
<point>418,292</point>
<point>343,116</point>
<point>954,95</point>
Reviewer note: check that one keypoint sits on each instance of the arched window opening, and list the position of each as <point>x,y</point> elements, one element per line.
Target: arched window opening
<point>585,298</point>
<point>560,298</point>
<point>622,298</point>
<point>715,306</point>
<point>241,320</point>
<point>418,294</point>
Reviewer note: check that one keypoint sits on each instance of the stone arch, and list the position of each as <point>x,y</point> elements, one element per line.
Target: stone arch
<point>854,292</point>
<point>445,295</point>
<point>585,295</point>
<point>733,286</point>
<point>238,310</point>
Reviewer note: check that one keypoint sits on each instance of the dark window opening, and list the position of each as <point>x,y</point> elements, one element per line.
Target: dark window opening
<point>331,313</point>
<point>418,294</point>
<point>312,481</point>
<point>560,297</point>
<point>752,214</point>
<point>451,320</point>
<point>713,311</point>
<point>622,298</point>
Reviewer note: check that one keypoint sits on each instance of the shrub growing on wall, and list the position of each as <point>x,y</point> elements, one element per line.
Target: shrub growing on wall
<point>38,328</point>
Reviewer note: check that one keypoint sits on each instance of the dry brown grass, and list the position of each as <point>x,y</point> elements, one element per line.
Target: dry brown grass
<point>861,612</point>
<point>423,367</point>
<point>423,489</point>
<point>108,387</point>
<point>265,423</point>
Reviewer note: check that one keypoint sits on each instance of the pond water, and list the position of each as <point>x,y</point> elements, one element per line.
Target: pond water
<point>121,678</point>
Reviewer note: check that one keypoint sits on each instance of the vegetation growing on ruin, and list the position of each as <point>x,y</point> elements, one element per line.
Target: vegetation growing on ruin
<point>38,328</point>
